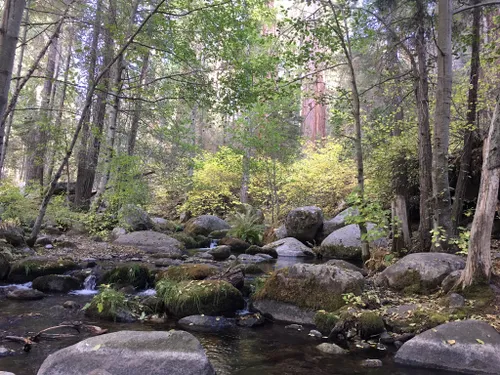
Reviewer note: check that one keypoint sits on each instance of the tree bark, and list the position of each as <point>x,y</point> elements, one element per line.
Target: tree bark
<point>465,159</point>
<point>441,133</point>
<point>8,125</point>
<point>424,134</point>
<point>478,267</point>
<point>9,33</point>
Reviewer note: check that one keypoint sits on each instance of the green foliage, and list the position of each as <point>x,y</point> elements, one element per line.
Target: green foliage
<point>136,275</point>
<point>368,211</point>
<point>187,272</point>
<point>108,302</point>
<point>325,321</point>
<point>247,226</point>
<point>100,223</point>
<point>15,205</point>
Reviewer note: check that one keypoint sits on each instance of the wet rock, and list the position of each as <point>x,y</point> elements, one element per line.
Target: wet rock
<point>204,255</point>
<point>420,273</point>
<point>251,259</point>
<point>329,348</point>
<point>12,234</point>
<point>151,242</point>
<point>205,225</point>
<point>254,250</point>
<point>371,363</point>
<point>235,244</point>
<point>295,327</point>
<point>205,323</point>
<point>71,305</point>
<point>468,346</point>
<point>251,320</point>
<point>303,223</point>
<point>25,295</point>
<point>290,247</point>
<point>284,312</point>
<point>30,268</point>
<point>56,283</point>
<point>315,333</point>
<point>132,353</point>
<point>220,252</point>
<point>4,266</point>
<point>5,352</point>
<point>134,218</point>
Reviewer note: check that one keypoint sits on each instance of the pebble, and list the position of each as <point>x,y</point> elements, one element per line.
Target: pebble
<point>49,246</point>
<point>297,327</point>
<point>371,363</point>
<point>331,348</point>
<point>315,333</point>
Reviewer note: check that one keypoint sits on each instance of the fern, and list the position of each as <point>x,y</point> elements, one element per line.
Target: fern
<point>246,226</point>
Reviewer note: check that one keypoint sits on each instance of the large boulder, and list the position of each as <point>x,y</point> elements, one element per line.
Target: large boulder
<point>134,218</point>
<point>30,268</point>
<point>345,243</point>
<point>151,242</point>
<point>4,266</point>
<point>337,222</point>
<point>308,287</point>
<point>466,347</point>
<point>220,252</point>
<point>205,225</point>
<point>303,223</point>
<point>210,297</point>
<point>290,247</point>
<point>56,283</point>
<point>254,250</point>
<point>236,244</point>
<point>12,234</point>
<point>132,353</point>
<point>420,272</point>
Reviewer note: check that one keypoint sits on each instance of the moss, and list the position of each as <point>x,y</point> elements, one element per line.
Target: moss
<point>136,275</point>
<point>253,269</point>
<point>188,241</point>
<point>304,293</point>
<point>339,252</point>
<point>30,268</point>
<point>410,282</point>
<point>370,324</point>
<point>481,294</point>
<point>325,321</point>
<point>211,297</point>
<point>187,272</point>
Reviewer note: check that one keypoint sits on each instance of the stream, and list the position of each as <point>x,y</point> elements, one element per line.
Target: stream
<point>267,350</point>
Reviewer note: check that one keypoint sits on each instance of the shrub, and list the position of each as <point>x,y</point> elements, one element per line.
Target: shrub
<point>135,274</point>
<point>246,226</point>
<point>108,303</point>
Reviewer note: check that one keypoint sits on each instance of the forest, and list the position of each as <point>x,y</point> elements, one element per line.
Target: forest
<point>263,166</point>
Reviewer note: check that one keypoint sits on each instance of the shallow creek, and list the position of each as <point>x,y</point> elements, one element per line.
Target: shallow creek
<point>267,350</point>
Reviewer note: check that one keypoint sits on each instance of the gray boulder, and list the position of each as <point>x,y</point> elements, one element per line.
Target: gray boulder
<point>134,218</point>
<point>56,283</point>
<point>117,232</point>
<point>4,266</point>
<point>290,247</point>
<point>206,323</point>
<point>25,295</point>
<point>132,353</point>
<point>236,244</point>
<point>150,242</point>
<point>30,268</point>
<point>254,250</point>
<point>337,222</point>
<point>345,243</point>
<point>420,272</point>
<point>251,259</point>
<point>467,347</point>
<point>285,312</point>
<point>343,264</point>
<point>303,223</point>
<point>205,225</point>
<point>163,225</point>
<point>280,232</point>
<point>329,348</point>
<point>12,234</point>
<point>220,252</point>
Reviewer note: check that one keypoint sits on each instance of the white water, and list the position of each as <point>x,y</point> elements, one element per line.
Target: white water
<point>213,244</point>
<point>147,292</point>
<point>17,286</point>
<point>88,287</point>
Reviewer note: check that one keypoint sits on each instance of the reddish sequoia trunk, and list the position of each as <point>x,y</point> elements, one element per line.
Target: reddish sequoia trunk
<point>313,110</point>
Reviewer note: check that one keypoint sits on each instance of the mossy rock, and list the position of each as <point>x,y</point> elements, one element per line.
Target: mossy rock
<point>210,297</point>
<point>252,269</point>
<point>4,266</point>
<point>218,234</point>
<point>410,282</point>
<point>110,304</point>
<point>188,241</point>
<point>325,321</point>
<point>136,275</point>
<point>30,268</point>
<point>370,324</point>
<point>253,250</point>
<point>187,272</point>
<point>339,252</point>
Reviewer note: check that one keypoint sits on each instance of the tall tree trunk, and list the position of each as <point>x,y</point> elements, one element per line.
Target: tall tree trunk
<point>424,133</point>
<point>82,195</point>
<point>9,33</point>
<point>465,159</point>
<point>441,133</point>
<point>8,125</point>
<point>38,136</point>
<point>138,104</point>
<point>478,267</point>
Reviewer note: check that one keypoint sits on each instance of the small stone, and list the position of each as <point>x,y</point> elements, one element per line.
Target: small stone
<point>331,348</point>
<point>297,327</point>
<point>315,333</point>
<point>4,352</point>
<point>371,363</point>
<point>71,305</point>
<point>49,246</point>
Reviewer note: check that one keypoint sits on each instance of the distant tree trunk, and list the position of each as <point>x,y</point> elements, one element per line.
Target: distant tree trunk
<point>9,33</point>
<point>38,136</point>
<point>138,105</point>
<point>465,159</point>
<point>424,133</point>
<point>82,194</point>
<point>8,126</point>
<point>478,266</point>
<point>441,134</point>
